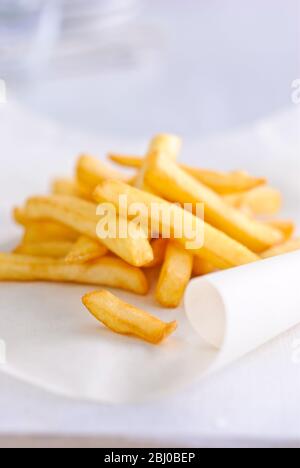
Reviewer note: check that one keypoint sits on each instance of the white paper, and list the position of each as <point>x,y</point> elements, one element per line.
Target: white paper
<point>241,309</point>
<point>53,342</point>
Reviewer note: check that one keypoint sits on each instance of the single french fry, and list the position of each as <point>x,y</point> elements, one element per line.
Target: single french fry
<point>47,231</point>
<point>258,201</point>
<point>286,227</point>
<point>91,171</point>
<point>159,247</point>
<point>201,267</point>
<point>169,145</point>
<point>85,250</point>
<point>221,182</point>
<point>107,271</point>
<point>175,275</point>
<point>69,187</point>
<point>218,249</point>
<point>19,216</point>
<point>126,160</point>
<point>125,319</point>
<point>287,247</point>
<point>52,249</point>
<point>174,184</point>
<point>166,143</point>
<point>81,216</point>
<point>225,182</point>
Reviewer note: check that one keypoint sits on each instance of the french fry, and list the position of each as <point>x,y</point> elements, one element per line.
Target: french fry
<point>169,145</point>
<point>219,249</point>
<point>126,160</point>
<point>47,231</point>
<point>80,215</point>
<point>159,247</point>
<point>174,184</point>
<point>175,275</point>
<point>107,271</point>
<point>85,250</point>
<point>166,143</point>
<point>286,227</point>
<point>19,217</point>
<point>258,201</point>
<point>125,319</point>
<point>91,171</point>
<point>286,247</point>
<point>201,267</point>
<point>54,249</point>
<point>225,182</point>
<point>221,182</point>
<point>69,187</point>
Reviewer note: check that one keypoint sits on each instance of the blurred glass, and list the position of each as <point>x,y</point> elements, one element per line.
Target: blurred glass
<point>67,37</point>
<point>28,32</point>
<point>99,33</point>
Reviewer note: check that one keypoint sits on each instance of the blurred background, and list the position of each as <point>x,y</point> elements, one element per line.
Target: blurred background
<point>135,67</point>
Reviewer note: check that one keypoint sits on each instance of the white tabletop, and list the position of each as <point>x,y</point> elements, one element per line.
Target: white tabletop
<point>221,66</point>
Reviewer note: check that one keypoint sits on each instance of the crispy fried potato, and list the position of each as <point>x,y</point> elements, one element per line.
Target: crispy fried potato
<point>225,182</point>
<point>125,319</point>
<point>91,171</point>
<point>175,275</point>
<point>219,249</point>
<point>169,145</point>
<point>50,249</point>
<point>221,182</point>
<point>19,216</point>
<point>126,160</point>
<point>258,201</point>
<point>159,247</point>
<point>81,215</point>
<point>69,187</point>
<point>174,184</point>
<point>201,267</point>
<point>287,247</point>
<point>85,250</point>
<point>47,231</point>
<point>286,227</point>
<point>107,271</point>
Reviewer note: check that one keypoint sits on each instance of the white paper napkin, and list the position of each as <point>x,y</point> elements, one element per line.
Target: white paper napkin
<point>54,343</point>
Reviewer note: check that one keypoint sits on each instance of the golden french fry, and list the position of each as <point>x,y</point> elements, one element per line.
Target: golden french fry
<point>159,247</point>
<point>201,267</point>
<point>169,145</point>
<point>125,319</point>
<point>166,143</point>
<point>219,249</point>
<point>287,247</point>
<point>107,271</point>
<point>174,184</point>
<point>258,201</point>
<point>54,249</point>
<point>286,227</point>
<point>81,216</point>
<point>221,182</point>
<point>85,250</point>
<point>19,216</point>
<point>175,275</point>
<point>91,171</point>
<point>47,231</point>
<point>225,182</point>
<point>125,160</point>
<point>69,187</point>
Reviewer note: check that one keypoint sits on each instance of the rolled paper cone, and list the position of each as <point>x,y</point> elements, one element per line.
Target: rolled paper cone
<point>240,309</point>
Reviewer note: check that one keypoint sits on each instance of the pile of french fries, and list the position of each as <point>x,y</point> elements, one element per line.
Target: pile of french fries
<point>61,242</point>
